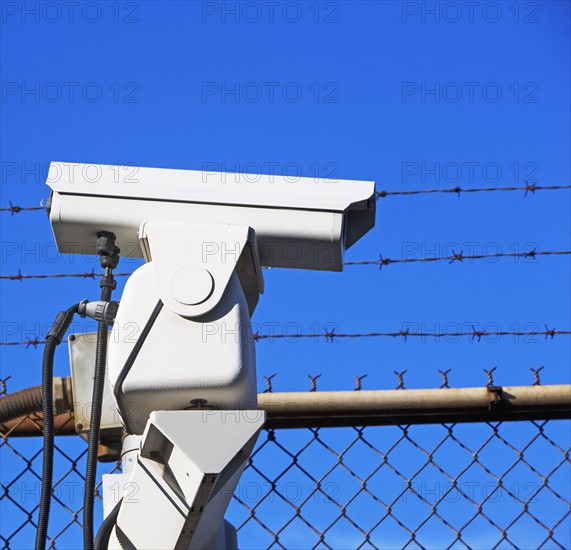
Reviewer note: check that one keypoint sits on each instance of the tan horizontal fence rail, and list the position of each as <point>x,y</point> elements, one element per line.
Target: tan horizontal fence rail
<point>379,408</point>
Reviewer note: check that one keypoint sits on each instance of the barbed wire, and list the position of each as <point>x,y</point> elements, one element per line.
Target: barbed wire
<point>528,188</point>
<point>455,257</point>
<point>87,275</point>
<point>458,190</point>
<point>444,374</point>
<point>459,257</point>
<point>15,209</point>
<point>404,334</point>
<point>488,378</point>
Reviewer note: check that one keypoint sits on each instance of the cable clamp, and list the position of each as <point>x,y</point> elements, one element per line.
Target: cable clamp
<point>100,311</point>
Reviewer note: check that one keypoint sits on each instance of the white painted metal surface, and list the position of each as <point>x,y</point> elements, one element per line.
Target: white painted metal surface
<point>210,358</point>
<point>304,224</point>
<point>82,364</point>
<point>185,475</point>
<point>191,270</point>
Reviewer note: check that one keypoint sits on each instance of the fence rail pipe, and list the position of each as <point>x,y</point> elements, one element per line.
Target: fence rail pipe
<point>379,408</point>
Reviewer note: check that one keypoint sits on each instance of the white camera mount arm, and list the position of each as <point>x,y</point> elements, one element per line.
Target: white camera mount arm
<point>194,263</point>
<point>197,276</point>
<point>183,480</point>
<point>190,460</point>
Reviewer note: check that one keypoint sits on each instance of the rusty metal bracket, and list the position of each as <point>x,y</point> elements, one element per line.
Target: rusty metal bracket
<point>497,397</point>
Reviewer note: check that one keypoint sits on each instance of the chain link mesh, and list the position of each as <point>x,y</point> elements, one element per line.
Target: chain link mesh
<point>477,485</point>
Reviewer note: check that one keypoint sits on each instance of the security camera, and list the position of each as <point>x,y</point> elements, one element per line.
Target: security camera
<point>302,223</point>
<point>205,237</point>
<point>181,354</point>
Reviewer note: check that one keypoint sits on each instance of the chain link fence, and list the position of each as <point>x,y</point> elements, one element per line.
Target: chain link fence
<point>474,485</point>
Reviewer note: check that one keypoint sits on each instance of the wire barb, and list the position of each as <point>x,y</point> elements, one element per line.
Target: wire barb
<point>400,376</point>
<point>457,257</point>
<point>529,187</point>
<point>34,343</point>
<point>268,380</point>
<point>536,381</point>
<point>3,386</point>
<point>490,375</point>
<point>550,332</point>
<point>358,380</point>
<point>477,334</point>
<point>313,381</point>
<point>444,374</point>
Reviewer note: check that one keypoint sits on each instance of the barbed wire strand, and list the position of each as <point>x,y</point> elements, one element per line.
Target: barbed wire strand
<point>528,188</point>
<point>456,257</point>
<point>404,334</point>
<point>458,190</point>
<point>15,209</point>
<point>460,257</point>
<point>87,275</point>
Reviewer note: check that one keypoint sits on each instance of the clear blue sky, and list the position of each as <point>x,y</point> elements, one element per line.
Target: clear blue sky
<point>383,91</point>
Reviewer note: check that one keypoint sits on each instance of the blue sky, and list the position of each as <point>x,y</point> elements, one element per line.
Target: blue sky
<point>383,91</point>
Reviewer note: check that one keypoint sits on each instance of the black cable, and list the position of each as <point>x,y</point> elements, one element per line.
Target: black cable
<point>108,258</point>
<point>48,461</point>
<point>104,533</point>
<point>53,339</point>
<point>95,420</point>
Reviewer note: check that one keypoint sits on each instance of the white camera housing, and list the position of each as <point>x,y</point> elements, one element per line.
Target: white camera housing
<point>303,223</point>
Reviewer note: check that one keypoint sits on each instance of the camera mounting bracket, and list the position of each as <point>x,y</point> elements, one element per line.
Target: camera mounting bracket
<point>194,263</point>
